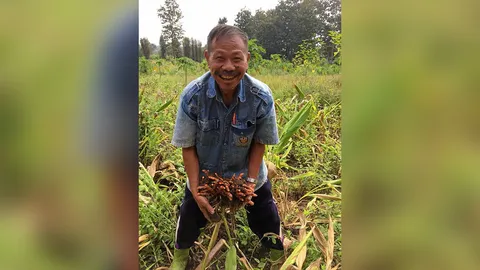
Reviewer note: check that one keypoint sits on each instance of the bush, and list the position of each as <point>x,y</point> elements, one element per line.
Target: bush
<point>144,65</point>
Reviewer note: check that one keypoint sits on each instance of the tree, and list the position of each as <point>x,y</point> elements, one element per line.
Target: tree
<point>281,30</point>
<point>222,20</point>
<point>153,48</point>
<point>199,51</point>
<point>186,48</point>
<point>170,15</point>
<point>145,47</point>
<point>330,17</point>
<point>243,21</point>
<point>194,49</point>
<point>163,47</point>
<point>256,52</point>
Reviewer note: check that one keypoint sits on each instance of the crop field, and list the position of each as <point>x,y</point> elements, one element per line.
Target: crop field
<point>304,168</point>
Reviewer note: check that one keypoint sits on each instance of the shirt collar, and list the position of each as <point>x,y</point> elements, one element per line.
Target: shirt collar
<point>211,91</point>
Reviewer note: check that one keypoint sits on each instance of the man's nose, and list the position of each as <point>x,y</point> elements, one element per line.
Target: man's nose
<point>228,66</point>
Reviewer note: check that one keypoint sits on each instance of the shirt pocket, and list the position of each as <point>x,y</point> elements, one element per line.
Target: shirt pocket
<point>242,134</point>
<point>208,133</point>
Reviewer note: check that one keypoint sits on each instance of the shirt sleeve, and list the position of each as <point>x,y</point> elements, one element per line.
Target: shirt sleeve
<point>266,131</point>
<point>185,125</point>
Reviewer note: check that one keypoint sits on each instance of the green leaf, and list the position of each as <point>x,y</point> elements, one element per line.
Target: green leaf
<point>303,175</point>
<point>291,259</point>
<point>301,95</point>
<point>164,106</point>
<point>293,126</point>
<point>231,260</point>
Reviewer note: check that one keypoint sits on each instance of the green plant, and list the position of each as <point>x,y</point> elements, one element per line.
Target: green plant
<point>186,64</point>
<point>256,51</point>
<point>144,65</point>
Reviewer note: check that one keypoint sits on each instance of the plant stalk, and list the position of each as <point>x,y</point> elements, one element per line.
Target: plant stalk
<point>211,243</point>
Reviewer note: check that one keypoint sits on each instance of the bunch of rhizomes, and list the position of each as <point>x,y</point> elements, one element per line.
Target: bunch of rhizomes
<point>231,193</point>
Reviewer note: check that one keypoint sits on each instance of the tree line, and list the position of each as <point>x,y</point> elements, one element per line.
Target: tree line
<point>285,30</point>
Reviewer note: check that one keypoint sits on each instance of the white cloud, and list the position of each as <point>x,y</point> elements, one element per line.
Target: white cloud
<point>199,16</point>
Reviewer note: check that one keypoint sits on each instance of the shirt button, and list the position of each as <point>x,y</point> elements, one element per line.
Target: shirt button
<point>224,143</point>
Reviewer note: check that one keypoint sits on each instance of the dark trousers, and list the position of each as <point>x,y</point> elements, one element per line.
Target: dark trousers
<point>262,218</point>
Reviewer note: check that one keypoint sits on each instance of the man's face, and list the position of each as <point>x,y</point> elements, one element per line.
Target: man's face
<point>228,61</point>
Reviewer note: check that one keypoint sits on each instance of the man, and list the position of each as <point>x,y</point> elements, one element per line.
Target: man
<point>225,118</point>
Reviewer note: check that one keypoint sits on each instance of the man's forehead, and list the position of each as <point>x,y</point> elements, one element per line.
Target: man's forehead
<point>236,51</point>
<point>233,40</point>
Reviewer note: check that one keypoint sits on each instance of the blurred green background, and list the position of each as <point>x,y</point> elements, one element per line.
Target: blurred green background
<point>411,135</point>
<point>55,194</point>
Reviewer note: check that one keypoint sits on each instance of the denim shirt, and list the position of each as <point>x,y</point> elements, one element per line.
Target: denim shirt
<point>223,135</point>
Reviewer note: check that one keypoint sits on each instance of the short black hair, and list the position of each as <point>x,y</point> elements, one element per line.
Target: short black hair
<point>224,30</point>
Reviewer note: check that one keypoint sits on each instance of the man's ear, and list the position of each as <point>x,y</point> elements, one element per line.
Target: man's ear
<point>248,56</point>
<point>205,53</point>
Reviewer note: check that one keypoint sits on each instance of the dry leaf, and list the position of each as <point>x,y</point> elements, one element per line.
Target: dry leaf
<point>169,253</point>
<point>272,170</point>
<point>301,257</point>
<point>246,263</point>
<point>317,234</point>
<point>143,238</point>
<point>152,169</point>
<point>244,258</point>
<point>141,246</point>
<point>331,243</point>
<point>213,252</point>
<point>145,200</point>
<point>287,243</point>
<point>315,265</point>
<point>336,267</point>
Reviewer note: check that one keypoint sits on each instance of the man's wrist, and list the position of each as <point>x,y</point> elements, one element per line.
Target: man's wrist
<point>251,180</point>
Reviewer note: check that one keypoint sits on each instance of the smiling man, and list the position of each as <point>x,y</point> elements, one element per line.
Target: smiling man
<point>225,118</point>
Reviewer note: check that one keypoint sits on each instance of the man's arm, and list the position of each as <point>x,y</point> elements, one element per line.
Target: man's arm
<point>266,133</point>
<point>190,160</point>
<point>255,159</point>
<point>184,136</point>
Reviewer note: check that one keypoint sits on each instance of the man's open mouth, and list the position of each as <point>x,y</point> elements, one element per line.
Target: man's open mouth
<point>227,77</point>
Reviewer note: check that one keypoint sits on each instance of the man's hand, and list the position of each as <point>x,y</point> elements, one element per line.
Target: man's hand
<point>204,206</point>
<point>251,186</point>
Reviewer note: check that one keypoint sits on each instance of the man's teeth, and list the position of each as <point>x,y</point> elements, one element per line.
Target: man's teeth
<point>227,77</point>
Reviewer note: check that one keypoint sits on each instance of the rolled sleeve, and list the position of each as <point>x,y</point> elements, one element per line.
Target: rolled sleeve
<point>185,127</point>
<point>266,131</point>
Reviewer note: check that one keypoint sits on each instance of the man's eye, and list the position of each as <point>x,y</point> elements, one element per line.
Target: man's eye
<point>237,59</point>
<point>219,58</point>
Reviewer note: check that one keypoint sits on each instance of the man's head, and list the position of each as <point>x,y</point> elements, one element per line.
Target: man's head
<point>227,55</point>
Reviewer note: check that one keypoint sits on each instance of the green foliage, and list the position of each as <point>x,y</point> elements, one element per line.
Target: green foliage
<point>243,20</point>
<point>308,53</point>
<point>292,126</point>
<point>256,52</point>
<point>337,41</point>
<point>186,64</point>
<point>156,218</point>
<point>282,29</point>
<point>144,65</point>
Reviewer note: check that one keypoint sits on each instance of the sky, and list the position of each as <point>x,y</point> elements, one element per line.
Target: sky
<point>199,16</point>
